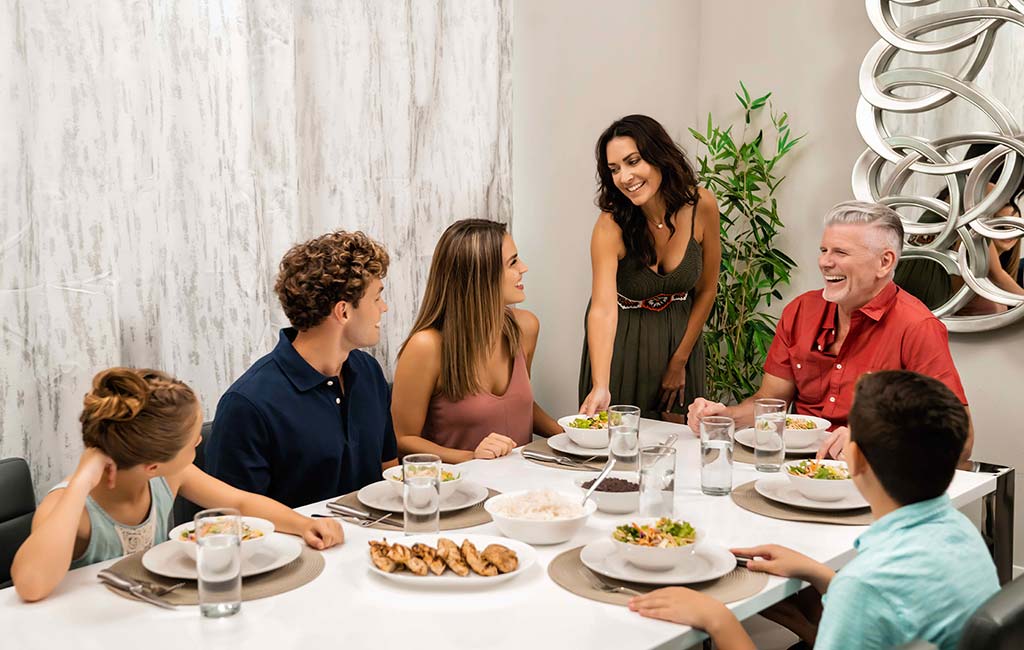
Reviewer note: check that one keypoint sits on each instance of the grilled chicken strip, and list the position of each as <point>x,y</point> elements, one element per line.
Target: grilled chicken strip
<point>449,552</point>
<point>429,555</point>
<point>403,555</point>
<point>379,555</point>
<point>502,557</point>
<point>476,561</point>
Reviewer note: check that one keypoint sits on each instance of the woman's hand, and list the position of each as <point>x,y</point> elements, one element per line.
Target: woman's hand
<point>494,445</point>
<point>598,400</point>
<point>322,533</point>
<point>673,385</point>
<point>92,467</point>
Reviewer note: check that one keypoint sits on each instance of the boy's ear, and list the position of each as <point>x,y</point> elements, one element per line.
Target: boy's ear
<point>855,459</point>
<point>341,311</point>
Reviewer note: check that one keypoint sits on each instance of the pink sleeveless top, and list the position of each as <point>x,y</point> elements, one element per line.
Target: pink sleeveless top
<point>463,424</point>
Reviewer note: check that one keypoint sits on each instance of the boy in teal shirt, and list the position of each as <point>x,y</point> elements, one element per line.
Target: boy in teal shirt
<point>921,568</point>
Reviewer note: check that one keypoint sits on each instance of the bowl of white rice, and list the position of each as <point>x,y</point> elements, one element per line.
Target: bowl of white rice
<point>539,516</point>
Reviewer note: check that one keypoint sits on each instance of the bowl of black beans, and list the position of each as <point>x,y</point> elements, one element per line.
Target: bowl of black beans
<point>618,494</point>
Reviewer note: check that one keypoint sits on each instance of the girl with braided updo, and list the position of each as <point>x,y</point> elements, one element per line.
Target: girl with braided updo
<point>140,429</point>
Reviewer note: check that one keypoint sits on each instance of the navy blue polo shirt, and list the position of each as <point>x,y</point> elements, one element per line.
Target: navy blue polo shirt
<point>286,431</point>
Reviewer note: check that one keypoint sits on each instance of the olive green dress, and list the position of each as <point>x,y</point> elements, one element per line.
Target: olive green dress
<point>645,340</point>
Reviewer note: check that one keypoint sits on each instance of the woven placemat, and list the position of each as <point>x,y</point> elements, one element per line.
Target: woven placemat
<point>465,518</point>
<point>746,497</point>
<point>569,573</point>
<point>302,570</point>
<point>541,446</point>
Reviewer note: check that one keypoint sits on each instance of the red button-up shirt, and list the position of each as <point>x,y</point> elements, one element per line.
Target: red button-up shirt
<point>894,331</point>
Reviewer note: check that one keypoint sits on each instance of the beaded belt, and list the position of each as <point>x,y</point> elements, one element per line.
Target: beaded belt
<point>654,303</point>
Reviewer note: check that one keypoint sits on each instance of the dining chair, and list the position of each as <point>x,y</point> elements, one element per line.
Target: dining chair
<point>999,623</point>
<point>184,510</point>
<point>917,645</point>
<point>17,506</point>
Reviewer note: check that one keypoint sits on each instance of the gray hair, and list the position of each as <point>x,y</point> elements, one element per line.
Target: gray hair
<point>881,216</point>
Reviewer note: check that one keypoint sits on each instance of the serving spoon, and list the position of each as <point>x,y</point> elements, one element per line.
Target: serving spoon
<point>597,481</point>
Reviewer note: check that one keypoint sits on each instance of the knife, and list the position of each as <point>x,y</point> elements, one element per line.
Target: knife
<point>561,460</point>
<point>365,516</point>
<point>133,588</point>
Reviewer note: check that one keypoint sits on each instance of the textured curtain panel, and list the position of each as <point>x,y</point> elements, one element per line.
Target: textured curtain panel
<point>157,159</point>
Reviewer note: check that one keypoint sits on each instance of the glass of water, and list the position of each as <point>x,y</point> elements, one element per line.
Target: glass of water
<point>421,496</point>
<point>219,561</point>
<point>657,481</point>
<point>769,425</point>
<point>624,438</point>
<point>716,440</point>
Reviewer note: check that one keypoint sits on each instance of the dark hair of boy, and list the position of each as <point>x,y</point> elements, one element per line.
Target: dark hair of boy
<point>911,429</point>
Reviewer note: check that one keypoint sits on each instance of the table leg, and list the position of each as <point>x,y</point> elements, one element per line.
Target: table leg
<point>997,519</point>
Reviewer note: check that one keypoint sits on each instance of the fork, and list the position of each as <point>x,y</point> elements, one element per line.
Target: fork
<point>598,583</point>
<point>159,590</point>
<point>366,523</point>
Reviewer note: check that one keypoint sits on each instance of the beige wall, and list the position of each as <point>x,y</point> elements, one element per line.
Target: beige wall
<point>574,71</point>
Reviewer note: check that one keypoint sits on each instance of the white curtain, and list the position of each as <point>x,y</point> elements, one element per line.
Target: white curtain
<point>157,159</point>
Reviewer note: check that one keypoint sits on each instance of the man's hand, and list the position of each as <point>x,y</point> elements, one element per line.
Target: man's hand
<point>834,444</point>
<point>494,445</point>
<point>702,408</point>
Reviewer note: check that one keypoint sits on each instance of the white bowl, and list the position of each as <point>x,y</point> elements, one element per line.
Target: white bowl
<point>448,488</point>
<point>538,531</point>
<point>589,438</point>
<point>653,558</point>
<point>818,489</point>
<point>805,437</point>
<point>618,503</point>
<point>249,546</point>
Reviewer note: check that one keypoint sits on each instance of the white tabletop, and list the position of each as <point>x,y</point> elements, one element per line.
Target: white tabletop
<point>347,603</point>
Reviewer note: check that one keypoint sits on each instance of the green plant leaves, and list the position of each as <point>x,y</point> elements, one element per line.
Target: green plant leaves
<point>737,335</point>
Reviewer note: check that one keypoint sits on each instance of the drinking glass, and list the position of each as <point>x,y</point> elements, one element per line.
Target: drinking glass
<point>219,561</point>
<point>657,481</point>
<point>624,430</point>
<point>769,425</point>
<point>421,494</point>
<point>716,441</point>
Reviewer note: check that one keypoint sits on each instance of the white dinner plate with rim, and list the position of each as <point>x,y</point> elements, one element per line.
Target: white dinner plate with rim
<point>781,490</point>
<point>524,552</point>
<point>169,560</point>
<point>710,562</point>
<point>746,438</point>
<point>561,442</point>
<point>381,496</point>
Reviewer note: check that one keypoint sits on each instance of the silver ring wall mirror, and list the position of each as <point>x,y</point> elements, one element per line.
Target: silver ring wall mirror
<point>941,109</point>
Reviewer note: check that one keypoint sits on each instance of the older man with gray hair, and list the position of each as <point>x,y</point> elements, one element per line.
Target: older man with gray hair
<point>860,322</point>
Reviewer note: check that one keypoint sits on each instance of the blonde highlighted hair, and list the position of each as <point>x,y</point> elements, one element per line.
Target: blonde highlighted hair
<point>463,301</point>
<point>138,416</point>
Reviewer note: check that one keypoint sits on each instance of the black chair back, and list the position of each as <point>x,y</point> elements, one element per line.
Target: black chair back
<point>17,506</point>
<point>184,510</point>
<point>999,623</point>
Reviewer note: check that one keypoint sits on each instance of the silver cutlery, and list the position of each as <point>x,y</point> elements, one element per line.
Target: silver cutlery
<point>561,460</point>
<point>597,481</point>
<point>159,590</point>
<point>136,589</point>
<point>598,583</point>
<point>364,519</point>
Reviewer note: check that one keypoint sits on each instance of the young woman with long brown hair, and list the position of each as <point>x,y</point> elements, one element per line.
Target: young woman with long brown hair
<point>140,429</point>
<point>462,385</point>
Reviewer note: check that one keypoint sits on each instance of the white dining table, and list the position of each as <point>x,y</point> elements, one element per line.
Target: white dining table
<point>350,606</point>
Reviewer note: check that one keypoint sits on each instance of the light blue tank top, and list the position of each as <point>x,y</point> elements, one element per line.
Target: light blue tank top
<point>110,539</point>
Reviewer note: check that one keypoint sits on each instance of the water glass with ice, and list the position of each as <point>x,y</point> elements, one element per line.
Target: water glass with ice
<point>624,430</point>
<point>769,425</point>
<point>657,481</point>
<point>421,494</point>
<point>716,441</point>
<point>219,561</point>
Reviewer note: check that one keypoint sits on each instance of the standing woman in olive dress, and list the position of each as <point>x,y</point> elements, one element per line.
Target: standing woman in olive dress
<point>655,254</point>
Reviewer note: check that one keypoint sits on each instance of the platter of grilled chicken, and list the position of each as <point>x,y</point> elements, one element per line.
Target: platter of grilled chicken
<point>455,559</point>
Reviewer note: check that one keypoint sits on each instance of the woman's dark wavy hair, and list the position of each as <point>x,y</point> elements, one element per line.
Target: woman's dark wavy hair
<point>678,181</point>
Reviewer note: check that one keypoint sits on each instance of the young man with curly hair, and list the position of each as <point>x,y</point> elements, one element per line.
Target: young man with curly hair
<point>311,420</point>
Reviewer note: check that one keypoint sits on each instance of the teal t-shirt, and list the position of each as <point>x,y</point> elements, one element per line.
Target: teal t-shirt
<point>920,572</point>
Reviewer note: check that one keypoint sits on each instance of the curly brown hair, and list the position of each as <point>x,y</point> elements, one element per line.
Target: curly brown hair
<point>318,274</point>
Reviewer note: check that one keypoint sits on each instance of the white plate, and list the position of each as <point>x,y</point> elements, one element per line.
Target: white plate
<point>562,443</point>
<point>746,438</point>
<point>527,556</point>
<point>711,561</point>
<point>169,560</point>
<point>778,488</point>
<point>381,496</point>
